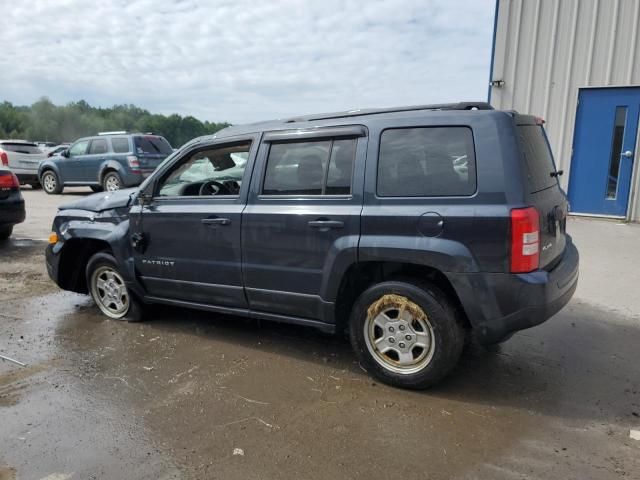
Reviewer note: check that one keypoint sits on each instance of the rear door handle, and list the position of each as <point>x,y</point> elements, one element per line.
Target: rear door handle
<point>216,221</point>
<point>326,224</point>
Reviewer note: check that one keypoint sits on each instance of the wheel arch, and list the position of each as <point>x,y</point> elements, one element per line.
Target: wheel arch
<point>360,276</point>
<point>109,166</point>
<point>46,166</point>
<point>74,256</point>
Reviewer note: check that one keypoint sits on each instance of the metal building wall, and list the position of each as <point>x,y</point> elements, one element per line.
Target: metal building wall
<point>545,50</point>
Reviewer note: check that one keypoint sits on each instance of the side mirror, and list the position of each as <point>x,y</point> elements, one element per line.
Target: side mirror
<point>65,153</point>
<point>144,198</point>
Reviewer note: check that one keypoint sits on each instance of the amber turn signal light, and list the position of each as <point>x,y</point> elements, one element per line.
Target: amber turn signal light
<point>53,238</point>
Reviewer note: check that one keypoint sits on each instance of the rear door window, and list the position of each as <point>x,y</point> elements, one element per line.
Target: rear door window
<point>537,157</point>
<point>426,162</point>
<point>120,145</point>
<point>27,148</point>
<point>98,146</point>
<point>152,145</point>
<point>322,167</point>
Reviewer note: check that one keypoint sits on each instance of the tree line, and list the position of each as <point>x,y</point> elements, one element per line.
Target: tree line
<point>44,121</point>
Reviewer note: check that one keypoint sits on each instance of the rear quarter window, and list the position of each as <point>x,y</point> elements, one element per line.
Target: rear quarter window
<point>152,145</point>
<point>537,157</point>
<point>120,145</point>
<point>426,162</point>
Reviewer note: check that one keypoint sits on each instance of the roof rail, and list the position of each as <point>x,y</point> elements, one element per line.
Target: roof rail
<point>377,111</point>
<point>117,132</point>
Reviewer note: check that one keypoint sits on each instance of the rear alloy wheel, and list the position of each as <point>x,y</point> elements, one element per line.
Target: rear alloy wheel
<point>111,182</point>
<point>109,291</point>
<point>406,333</point>
<point>50,183</point>
<point>5,231</point>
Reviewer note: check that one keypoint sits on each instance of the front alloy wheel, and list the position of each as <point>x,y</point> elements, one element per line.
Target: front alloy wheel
<point>108,289</point>
<point>109,292</point>
<point>50,182</point>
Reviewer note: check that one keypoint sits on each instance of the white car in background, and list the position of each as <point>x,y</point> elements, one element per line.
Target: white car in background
<point>23,158</point>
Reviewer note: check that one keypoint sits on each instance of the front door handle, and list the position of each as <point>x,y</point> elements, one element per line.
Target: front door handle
<point>216,221</point>
<point>326,224</point>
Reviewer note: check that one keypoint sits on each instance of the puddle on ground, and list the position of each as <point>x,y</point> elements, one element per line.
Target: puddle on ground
<point>7,473</point>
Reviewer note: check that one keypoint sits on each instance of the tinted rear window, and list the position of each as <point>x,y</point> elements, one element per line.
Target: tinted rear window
<point>153,145</point>
<point>537,157</point>
<point>426,162</point>
<point>27,148</point>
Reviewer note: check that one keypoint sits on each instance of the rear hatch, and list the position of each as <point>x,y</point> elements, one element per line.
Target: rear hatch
<point>543,190</point>
<point>151,150</point>
<point>23,155</point>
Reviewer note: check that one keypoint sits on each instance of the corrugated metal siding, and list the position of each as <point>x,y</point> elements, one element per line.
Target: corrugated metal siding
<point>546,49</point>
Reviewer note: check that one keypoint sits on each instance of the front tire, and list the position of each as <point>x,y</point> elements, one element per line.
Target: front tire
<point>406,333</point>
<point>111,182</point>
<point>108,290</point>
<point>51,183</point>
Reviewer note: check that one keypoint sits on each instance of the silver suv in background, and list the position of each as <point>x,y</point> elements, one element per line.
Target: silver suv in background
<point>23,158</point>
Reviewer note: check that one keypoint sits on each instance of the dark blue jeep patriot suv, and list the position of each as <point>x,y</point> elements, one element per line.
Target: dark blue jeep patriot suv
<point>109,161</point>
<point>409,227</point>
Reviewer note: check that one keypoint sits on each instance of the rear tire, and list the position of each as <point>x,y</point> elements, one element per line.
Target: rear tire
<point>108,290</point>
<point>406,333</point>
<point>5,232</point>
<point>111,182</point>
<point>51,183</point>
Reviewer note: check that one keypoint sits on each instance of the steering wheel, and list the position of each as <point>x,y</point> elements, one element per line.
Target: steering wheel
<point>213,187</point>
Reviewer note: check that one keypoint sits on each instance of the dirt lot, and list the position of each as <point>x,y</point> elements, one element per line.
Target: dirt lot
<point>193,395</point>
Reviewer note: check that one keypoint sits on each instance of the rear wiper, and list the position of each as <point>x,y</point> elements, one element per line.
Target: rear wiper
<point>557,174</point>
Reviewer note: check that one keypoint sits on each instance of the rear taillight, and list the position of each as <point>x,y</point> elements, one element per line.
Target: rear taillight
<point>134,164</point>
<point>525,240</point>
<point>9,181</point>
<point>4,159</point>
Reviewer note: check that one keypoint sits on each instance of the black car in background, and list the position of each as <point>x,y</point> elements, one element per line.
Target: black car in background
<point>11,203</point>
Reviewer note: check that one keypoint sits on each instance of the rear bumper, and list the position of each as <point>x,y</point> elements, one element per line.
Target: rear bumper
<point>12,210</point>
<point>30,177</point>
<point>499,304</point>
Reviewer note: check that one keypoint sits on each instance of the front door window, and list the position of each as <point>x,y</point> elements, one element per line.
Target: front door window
<point>213,171</point>
<point>78,148</point>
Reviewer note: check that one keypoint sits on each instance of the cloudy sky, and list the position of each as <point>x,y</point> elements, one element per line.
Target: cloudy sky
<point>241,60</point>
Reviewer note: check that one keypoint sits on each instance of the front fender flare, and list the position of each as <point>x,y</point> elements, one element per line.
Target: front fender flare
<point>48,165</point>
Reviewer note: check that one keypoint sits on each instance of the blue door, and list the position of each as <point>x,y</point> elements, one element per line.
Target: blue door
<point>604,150</point>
